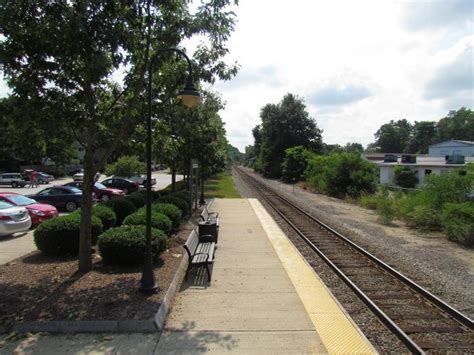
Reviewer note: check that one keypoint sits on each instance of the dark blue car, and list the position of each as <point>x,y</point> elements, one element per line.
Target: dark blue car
<point>62,197</point>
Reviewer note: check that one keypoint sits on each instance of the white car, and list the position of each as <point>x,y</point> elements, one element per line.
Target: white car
<point>13,219</point>
<point>78,176</point>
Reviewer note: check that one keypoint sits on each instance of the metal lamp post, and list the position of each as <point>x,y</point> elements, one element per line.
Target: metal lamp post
<point>190,97</point>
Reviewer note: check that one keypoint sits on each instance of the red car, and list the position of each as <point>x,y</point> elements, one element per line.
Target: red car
<point>101,192</point>
<point>37,211</point>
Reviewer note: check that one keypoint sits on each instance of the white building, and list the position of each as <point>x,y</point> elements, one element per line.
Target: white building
<point>442,158</point>
<point>452,147</point>
<point>423,166</point>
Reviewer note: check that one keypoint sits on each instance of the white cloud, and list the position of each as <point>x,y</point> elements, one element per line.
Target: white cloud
<point>428,15</point>
<point>335,95</point>
<point>357,64</point>
<point>454,78</point>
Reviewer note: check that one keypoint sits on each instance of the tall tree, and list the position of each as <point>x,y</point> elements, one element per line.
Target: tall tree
<point>65,54</point>
<point>285,125</point>
<point>424,134</point>
<point>393,137</point>
<point>457,125</point>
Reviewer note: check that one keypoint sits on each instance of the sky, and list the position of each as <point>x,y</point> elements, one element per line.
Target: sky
<point>356,64</point>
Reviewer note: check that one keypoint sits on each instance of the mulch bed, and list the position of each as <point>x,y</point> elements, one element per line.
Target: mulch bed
<point>37,287</point>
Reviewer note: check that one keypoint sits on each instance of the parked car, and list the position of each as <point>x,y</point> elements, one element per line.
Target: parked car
<point>79,176</point>
<point>62,197</point>
<point>37,211</point>
<point>44,178</point>
<point>101,192</point>
<point>13,179</point>
<point>13,219</point>
<point>141,180</point>
<point>75,171</point>
<point>126,185</point>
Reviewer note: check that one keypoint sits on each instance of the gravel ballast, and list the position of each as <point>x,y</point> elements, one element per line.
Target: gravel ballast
<point>444,268</point>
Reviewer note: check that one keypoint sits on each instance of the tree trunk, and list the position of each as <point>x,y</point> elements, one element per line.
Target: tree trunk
<point>85,238</point>
<point>173,176</point>
<point>202,200</point>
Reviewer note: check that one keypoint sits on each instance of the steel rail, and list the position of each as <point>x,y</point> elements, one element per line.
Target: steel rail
<point>444,307</point>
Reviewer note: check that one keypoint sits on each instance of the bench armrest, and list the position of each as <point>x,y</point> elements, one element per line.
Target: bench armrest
<point>216,214</point>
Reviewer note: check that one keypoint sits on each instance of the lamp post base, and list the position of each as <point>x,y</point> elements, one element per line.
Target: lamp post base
<point>147,283</point>
<point>149,290</point>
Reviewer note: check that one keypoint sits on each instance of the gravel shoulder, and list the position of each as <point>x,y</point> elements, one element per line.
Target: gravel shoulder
<point>443,267</point>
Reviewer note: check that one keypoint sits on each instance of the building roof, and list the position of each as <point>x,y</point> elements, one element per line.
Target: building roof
<point>453,140</point>
<point>426,162</point>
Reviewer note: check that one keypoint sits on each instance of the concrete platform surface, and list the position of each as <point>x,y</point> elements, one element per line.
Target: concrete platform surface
<point>250,306</point>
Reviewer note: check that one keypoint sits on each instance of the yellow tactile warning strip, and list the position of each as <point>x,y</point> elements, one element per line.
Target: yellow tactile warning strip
<point>337,331</point>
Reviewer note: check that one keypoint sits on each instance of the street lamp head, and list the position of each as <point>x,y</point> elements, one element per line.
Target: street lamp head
<point>189,95</point>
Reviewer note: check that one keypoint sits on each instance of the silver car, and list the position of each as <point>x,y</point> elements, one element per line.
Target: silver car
<point>13,179</point>
<point>13,219</point>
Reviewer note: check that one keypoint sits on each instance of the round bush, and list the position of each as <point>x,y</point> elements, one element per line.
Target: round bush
<point>125,245</point>
<point>183,194</point>
<point>138,199</point>
<point>158,220</point>
<point>178,202</point>
<point>173,212</point>
<point>106,215</point>
<point>60,236</point>
<point>122,208</point>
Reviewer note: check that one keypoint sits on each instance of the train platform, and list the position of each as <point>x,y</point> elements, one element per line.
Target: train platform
<point>263,296</point>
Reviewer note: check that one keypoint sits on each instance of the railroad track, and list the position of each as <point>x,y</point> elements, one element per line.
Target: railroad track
<point>422,321</point>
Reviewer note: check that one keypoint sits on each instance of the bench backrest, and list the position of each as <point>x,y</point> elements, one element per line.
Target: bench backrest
<point>192,243</point>
<point>205,214</point>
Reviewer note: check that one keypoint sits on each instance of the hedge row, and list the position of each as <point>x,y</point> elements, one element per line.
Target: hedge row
<point>123,244</point>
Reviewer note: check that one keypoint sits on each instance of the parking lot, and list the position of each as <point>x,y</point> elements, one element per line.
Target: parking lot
<point>163,179</point>
<point>19,244</point>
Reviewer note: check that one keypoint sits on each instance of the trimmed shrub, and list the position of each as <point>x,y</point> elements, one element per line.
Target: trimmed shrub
<point>125,245</point>
<point>178,202</point>
<point>457,221</point>
<point>182,194</point>
<point>138,199</point>
<point>170,210</point>
<point>60,236</point>
<point>122,208</point>
<point>158,220</point>
<point>106,215</point>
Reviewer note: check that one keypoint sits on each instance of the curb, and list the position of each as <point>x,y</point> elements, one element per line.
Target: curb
<point>107,326</point>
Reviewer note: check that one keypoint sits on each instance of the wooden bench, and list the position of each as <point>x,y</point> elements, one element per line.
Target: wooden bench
<point>200,251</point>
<point>210,216</point>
